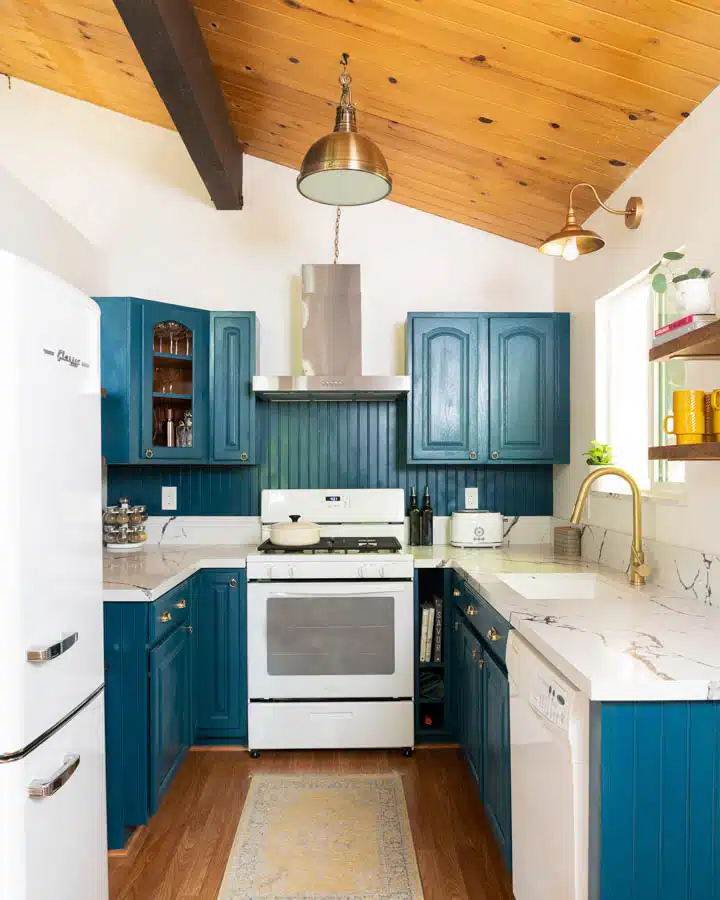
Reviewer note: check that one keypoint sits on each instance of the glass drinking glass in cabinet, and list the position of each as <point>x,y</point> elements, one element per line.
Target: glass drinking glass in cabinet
<point>172,338</point>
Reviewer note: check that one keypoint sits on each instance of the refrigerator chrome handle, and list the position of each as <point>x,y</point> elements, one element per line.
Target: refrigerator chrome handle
<point>39,789</point>
<point>44,654</point>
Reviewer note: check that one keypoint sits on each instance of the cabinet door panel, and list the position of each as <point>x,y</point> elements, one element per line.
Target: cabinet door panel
<point>233,403</point>
<point>497,753</point>
<point>522,388</point>
<point>220,655</point>
<point>448,388</point>
<point>474,713</point>
<point>170,726</point>
<point>174,378</point>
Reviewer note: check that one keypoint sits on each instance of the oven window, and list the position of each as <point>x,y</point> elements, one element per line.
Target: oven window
<point>331,635</point>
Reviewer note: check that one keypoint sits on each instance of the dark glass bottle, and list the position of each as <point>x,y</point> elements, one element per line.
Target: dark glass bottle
<point>415,521</point>
<point>427,520</point>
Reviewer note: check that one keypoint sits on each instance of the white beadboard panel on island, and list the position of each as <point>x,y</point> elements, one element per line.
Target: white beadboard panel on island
<point>622,644</point>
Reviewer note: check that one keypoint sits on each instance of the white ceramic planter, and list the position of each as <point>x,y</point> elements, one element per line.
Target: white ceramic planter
<point>694,296</point>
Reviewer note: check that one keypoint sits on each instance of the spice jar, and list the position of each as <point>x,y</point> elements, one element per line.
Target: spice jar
<point>136,534</point>
<point>112,534</point>
<point>111,514</point>
<point>137,515</point>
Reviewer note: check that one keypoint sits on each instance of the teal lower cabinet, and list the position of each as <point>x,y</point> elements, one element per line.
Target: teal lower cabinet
<point>220,657</point>
<point>175,675</point>
<point>655,801</point>
<point>170,711</point>
<point>480,704</point>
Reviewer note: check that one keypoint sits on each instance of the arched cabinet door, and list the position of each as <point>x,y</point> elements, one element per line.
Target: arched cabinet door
<point>524,386</point>
<point>174,383</point>
<point>447,404</point>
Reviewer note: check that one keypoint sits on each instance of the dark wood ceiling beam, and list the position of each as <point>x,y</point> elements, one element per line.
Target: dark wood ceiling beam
<point>168,38</point>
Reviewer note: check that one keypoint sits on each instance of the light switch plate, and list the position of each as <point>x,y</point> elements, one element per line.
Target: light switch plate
<point>471,498</point>
<point>169,498</point>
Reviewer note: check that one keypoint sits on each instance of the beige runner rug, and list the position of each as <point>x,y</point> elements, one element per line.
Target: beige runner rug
<point>323,838</point>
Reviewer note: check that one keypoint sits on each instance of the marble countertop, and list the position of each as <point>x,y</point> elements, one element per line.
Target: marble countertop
<point>622,644</point>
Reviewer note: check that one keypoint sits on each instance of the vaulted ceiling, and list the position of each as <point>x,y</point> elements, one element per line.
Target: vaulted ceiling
<point>487,110</point>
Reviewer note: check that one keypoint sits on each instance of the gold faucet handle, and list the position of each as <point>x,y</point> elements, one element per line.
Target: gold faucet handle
<point>642,569</point>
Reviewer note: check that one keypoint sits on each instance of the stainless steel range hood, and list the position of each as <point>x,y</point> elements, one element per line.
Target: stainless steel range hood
<point>331,345</point>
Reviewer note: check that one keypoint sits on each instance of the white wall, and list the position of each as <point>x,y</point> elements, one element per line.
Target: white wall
<point>132,190</point>
<point>680,184</point>
<point>31,229</point>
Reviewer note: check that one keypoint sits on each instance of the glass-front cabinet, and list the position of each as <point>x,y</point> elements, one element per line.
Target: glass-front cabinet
<point>174,383</point>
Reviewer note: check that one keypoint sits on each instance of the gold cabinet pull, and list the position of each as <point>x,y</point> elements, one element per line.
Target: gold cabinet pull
<point>181,604</point>
<point>166,616</point>
<point>244,457</point>
<point>473,454</point>
<point>456,592</point>
<point>188,628</point>
<point>481,663</point>
<point>470,610</point>
<point>493,634</point>
<point>475,652</point>
<point>233,582</point>
<point>495,455</point>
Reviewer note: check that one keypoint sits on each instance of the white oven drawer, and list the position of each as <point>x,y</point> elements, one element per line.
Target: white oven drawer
<point>314,726</point>
<point>330,640</point>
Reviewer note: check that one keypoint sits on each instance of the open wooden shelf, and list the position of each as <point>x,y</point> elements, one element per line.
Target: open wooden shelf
<point>701,344</point>
<point>686,451</point>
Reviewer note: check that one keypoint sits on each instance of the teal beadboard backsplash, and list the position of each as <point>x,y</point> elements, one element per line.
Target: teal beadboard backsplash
<point>331,445</point>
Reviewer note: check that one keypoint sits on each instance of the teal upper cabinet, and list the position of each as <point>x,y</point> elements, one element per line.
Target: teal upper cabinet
<point>449,388</point>
<point>529,396</point>
<point>174,384</point>
<point>488,387</point>
<point>158,377</point>
<point>232,402</point>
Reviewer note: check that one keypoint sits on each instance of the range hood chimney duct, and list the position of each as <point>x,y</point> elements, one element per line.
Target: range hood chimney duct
<point>331,345</point>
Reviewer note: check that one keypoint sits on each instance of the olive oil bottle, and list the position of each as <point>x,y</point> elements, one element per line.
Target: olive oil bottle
<point>415,520</point>
<point>427,520</point>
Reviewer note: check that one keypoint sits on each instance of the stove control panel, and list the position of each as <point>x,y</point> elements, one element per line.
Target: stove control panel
<point>330,567</point>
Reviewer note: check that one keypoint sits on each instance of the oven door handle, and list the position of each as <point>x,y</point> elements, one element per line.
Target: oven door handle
<point>362,593</point>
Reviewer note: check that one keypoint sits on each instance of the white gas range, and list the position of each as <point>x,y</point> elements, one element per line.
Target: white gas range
<point>331,628</point>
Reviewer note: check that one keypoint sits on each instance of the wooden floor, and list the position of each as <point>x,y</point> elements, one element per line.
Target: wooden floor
<point>185,850</point>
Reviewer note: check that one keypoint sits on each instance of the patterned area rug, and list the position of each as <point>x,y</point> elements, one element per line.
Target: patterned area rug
<point>323,838</point>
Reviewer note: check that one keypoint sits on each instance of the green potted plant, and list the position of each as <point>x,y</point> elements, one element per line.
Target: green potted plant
<point>692,286</point>
<point>599,455</point>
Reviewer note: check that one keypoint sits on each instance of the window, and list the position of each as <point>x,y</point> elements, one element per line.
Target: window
<point>632,396</point>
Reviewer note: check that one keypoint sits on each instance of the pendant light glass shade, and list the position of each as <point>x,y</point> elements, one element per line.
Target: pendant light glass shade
<point>344,168</point>
<point>573,241</point>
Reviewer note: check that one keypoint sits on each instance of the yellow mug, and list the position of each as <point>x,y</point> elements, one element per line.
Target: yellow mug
<point>715,409</point>
<point>688,417</point>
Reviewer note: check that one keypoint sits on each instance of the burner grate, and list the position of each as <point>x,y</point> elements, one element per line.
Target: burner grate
<point>339,545</point>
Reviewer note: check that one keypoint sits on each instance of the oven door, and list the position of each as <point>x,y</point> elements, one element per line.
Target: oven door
<point>329,640</point>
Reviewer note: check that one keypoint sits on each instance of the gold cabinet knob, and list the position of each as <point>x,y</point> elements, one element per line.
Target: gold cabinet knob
<point>495,455</point>
<point>148,454</point>
<point>493,634</point>
<point>473,454</point>
<point>181,604</point>
<point>481,663</point>
<point>233,582</point>
<point>166,616</point>
<point>188,628</point>
<point>475,652</point>
<point>244,457</point>
<point>456,592</point>
<point>470,610</point>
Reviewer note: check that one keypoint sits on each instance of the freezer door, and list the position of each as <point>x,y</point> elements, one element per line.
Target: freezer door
<point>55,846</point>
<point>50,482</point>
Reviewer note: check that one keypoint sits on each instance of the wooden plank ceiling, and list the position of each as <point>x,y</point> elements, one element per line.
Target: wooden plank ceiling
<point>487,110</point>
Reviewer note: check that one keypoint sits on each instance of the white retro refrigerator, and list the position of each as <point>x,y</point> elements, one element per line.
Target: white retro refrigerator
<point>52,757</point>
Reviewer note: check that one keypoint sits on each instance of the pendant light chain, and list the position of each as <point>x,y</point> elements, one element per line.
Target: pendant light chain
<point>336,251</point>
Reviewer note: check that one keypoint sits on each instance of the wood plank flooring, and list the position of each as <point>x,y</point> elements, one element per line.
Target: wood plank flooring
<point>185,849</point>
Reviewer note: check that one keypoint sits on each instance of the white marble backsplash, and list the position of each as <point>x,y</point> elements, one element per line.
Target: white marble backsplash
<point>685,572</point>
<point>225,530</point>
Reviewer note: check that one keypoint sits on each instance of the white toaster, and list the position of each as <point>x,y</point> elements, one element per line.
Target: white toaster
<point>476,528</point>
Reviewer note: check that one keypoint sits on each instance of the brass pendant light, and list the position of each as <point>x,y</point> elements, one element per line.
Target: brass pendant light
<point>344,168</point>
<point>573,241</point>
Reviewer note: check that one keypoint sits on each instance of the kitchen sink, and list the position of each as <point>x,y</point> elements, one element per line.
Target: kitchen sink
<point>556,585</point>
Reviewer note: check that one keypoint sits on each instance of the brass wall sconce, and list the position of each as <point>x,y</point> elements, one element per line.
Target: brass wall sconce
<point>573,241</point>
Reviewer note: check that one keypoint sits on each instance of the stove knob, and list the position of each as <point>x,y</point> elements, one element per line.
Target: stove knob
<point>361,571</point>
<point>291,572</point>
<point>268,571</point>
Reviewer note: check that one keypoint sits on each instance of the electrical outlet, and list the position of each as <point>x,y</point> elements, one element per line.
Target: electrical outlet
<point>169,498</point>
<point>471,498</point>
